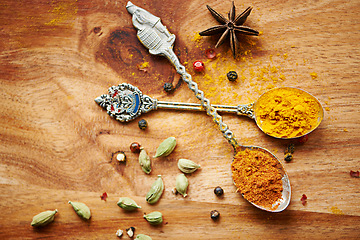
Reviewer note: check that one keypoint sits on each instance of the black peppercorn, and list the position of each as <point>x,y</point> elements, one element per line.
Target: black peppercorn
<point>135,147</point>
<point>290,148</point>
<point>168,87</point>
<point>142,124</point>
<point>288,157</point>
<point>232,75</point>
<point>214,214</point>
<point>218,191</point>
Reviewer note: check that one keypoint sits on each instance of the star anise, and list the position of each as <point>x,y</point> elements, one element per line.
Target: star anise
<point>230,27</point>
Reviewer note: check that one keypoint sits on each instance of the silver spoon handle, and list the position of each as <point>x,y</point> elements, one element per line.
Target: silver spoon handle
<point>205,103</point>
<point>244,110</point>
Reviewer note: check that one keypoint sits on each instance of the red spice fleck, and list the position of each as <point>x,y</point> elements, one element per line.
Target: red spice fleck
<point>135,147</point>
<point>112,108</point>
<point>199,66</point>
<point>210,53</point>
<point>104,196</point>
<point>303,199</point>
<point>303,139</point>
<point>354,174</point>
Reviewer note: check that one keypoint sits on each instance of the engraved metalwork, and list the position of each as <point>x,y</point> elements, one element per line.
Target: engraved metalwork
<point>247,110</point>
<point>211,111</point>
<point>152,33</point>
<point>126,102</point>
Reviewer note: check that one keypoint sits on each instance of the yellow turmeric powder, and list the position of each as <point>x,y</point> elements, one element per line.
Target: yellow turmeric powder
<point>257,177</point>
<point>287,112</point>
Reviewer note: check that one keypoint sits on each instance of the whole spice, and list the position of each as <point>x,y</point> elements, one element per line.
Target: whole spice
<point>121,157</point>
<point>218,191</point>
<point>43,218</point>
<point>144,161</point>
<point>214,214</point>
<point>288,157</point>
<point>119,232</point>
<point>287,113</point>
<point>166,147</point>
<point>182,184</point>
<point>142,124</point>
<point>198,66</point>
<point>210,53</point>
<point>187,166</point>
<point>290,148</point>
<point>257,177</point>
<point>130,232</point>
<point>154,218</point>
<point>135,147</point>
<point>127,204</point>
<point>232,75</point>
<point>168,87</point>
<point>81,209</point>
<point>143,237</point>
<point>155,191</point>
<point>230,27</point>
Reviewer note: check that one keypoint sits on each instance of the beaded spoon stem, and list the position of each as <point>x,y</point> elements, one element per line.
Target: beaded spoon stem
<point>119,105</point>
<point>155,36</point>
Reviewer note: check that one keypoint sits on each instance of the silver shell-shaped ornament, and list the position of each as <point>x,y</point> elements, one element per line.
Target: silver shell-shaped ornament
<point>153,34</point>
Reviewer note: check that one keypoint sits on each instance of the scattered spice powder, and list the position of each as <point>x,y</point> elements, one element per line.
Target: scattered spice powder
<point>354,174</point>
<point>303,199</point>
<point>287,112</point>
<point>336,210</point>
<point>104,196</point>
<point>257,177</point>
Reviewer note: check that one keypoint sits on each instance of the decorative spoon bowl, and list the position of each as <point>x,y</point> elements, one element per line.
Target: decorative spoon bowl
<point>126,102</point>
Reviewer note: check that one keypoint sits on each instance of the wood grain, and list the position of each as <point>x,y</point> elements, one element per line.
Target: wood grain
<point>57,145</point>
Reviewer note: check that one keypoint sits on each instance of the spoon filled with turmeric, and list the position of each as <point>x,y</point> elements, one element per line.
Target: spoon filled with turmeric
<point>284,113</point>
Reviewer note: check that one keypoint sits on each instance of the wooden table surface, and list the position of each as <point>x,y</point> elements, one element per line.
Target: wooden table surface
<point>58,145</point>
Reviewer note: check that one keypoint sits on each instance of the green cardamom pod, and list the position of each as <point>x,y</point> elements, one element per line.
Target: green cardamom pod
<point>144,161</point>
<point>43,218</point>
<point>127,204</point>
<point>143,237</point>
<point>155,191</point>
<point>166,147</point>
<point>182,184</point>
<point>81,209</point>
<point>187,166</point>
<point>154,218</point>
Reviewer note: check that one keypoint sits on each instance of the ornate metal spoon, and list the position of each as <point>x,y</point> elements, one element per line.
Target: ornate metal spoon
<point>155,36</point>
<point>126,102</point>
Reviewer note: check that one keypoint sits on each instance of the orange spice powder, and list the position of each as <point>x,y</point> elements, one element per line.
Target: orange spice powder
<point>257,177</point>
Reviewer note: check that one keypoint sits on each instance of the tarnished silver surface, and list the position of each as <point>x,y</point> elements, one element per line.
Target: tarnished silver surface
<point>153,34</point>
<point>166,50</point>
<point>126,102</point>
